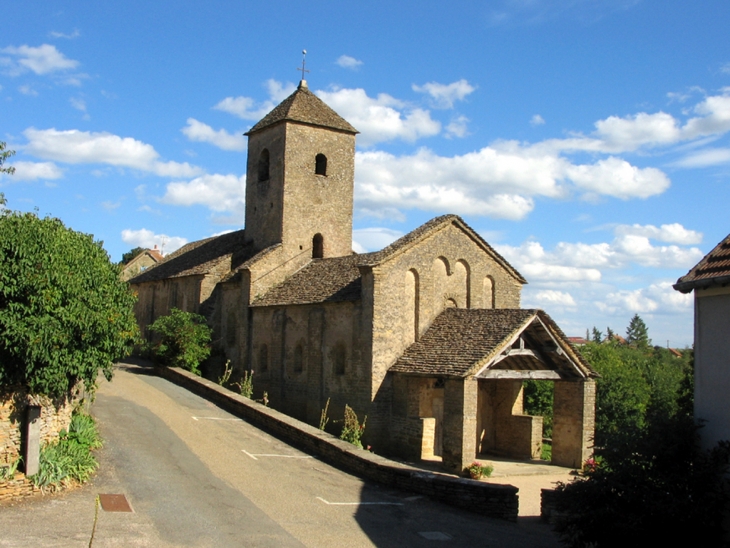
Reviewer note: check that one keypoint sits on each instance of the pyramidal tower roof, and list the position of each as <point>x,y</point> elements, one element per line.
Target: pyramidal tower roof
<point>304,107</point>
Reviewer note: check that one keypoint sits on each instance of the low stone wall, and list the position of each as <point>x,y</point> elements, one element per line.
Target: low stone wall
<point>55,416</point>
<point>498,501</point>
<point>16,488</point>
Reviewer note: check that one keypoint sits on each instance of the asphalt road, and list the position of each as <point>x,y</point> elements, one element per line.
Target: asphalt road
<point>195,475</point>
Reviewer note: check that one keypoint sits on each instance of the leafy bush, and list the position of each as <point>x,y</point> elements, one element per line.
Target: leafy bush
<point>184,340</point>
<point>538,400</point>
<point>352,430</point>
<point>657,488</point>
<point>64,313</point>
<point>70,458</point>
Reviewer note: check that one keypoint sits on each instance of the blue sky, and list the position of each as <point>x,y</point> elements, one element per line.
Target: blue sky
<point>587,140</point>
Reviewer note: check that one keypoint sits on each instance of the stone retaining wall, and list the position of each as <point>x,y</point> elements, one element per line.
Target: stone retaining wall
<point>16,488</point>
<point>498,501</point>
<point>55,416</point>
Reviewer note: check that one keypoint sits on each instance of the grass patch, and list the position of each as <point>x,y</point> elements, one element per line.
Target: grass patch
<point>546,453</point>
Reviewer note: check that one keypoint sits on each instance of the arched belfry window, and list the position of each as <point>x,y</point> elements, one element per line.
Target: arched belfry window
<point>317,246</point>
<point>320,164</point>
<point>264,165</point>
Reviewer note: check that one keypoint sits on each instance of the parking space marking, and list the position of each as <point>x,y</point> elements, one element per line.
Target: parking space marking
<point>216,419</point>
<point>255,456</point>
<point>360,503</point>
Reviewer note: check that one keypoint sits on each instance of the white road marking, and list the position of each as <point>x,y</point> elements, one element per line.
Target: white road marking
<point>360,503</point>
<point>215,419</point>
<point>255,456</point>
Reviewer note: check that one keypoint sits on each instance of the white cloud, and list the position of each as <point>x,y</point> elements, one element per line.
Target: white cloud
<point>83,147</point>
<point>537,120</point>
<point>548,297</point>
<point>248,109</point>
<point>618,178</point>
<point>43,59</point>
<point>25,89</point>
<point>345,61</point>
<point>445,95</point>
<point>74,34</point>
<point>78,104</point>
<point>373,239</point>
<point>198,131</point>
<point>457,127</point>
<point>217,192</point>
<point>148,239</point>
<point>672,233</point>
<point>110,206</point>
<point>705,158</point>
<point>30,171</point>
<point>379,119</point>
<point>657,298</point>
<point>498,181</point>
<point>725,69</point>
<point>632,132</point>
<point>587,262</point>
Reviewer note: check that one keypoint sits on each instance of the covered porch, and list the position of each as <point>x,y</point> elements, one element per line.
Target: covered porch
<point>458,391</point>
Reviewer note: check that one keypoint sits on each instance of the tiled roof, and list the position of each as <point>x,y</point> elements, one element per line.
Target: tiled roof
<point>201,257</point>
<point>459,339</point>
<point>322,280</point>
<point>713,269</point>
<point>304,106</point>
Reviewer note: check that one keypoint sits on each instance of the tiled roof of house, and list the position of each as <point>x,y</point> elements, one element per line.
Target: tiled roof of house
<point>201,257</point>
<point>713,269</point>
<point>322,280</point>
<point>459,339</point>
<point>304,106</point>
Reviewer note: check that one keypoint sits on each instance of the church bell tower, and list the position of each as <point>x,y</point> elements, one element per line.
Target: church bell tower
<point>300,178</point>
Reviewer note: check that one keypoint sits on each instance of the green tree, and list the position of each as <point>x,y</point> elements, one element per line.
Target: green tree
<point>184,340</point>
<point>4,155</point>
<point>64,313</point>
<point>131,254</point>
<point>597,335</point>
<point>637,334</point>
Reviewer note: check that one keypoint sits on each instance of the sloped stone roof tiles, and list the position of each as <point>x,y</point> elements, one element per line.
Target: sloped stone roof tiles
<point>305,107</point>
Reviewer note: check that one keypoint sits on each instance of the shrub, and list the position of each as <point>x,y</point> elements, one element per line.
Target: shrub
<point>656,488</point>
<point>352,430</point>
<point>184,340</point>
<point>64,313</point>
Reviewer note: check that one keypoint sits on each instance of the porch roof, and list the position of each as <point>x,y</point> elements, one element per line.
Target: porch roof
<point>501,343</point>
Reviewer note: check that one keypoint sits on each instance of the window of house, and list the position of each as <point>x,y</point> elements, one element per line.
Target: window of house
<point>317,246</point>
<point>339,359</point>
<point>320,164</point>
<point>263,358</point>
<point>298,359</point>
<point>264,165</point>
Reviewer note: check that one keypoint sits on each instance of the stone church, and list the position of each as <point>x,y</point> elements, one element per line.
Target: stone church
<point>426,337</point>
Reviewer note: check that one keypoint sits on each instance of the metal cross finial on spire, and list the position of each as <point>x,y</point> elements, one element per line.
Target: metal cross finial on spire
<point>303,83</point>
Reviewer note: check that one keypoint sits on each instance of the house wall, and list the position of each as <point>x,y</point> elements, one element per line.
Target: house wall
<point>712,363</point>
<point>302,355</point>
<point>446,269</point>
<point>155,299</point>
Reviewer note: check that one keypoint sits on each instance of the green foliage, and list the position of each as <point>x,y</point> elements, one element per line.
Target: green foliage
<point>223,379</point>
<point>70,458</point>
<point>246,384</point>
<point>597,336</point>
<point>4,155</point>
<point>352,430</point>
<point>64,313</point>
<point>546,452</point>
<point>637,334</point>
<point>538,400</point>
<point>477,470</point>
<point>7,472</point>
<point>636,387</point>
<point>184,340</point>
<point>131,254</point>
<point>657,489</point>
